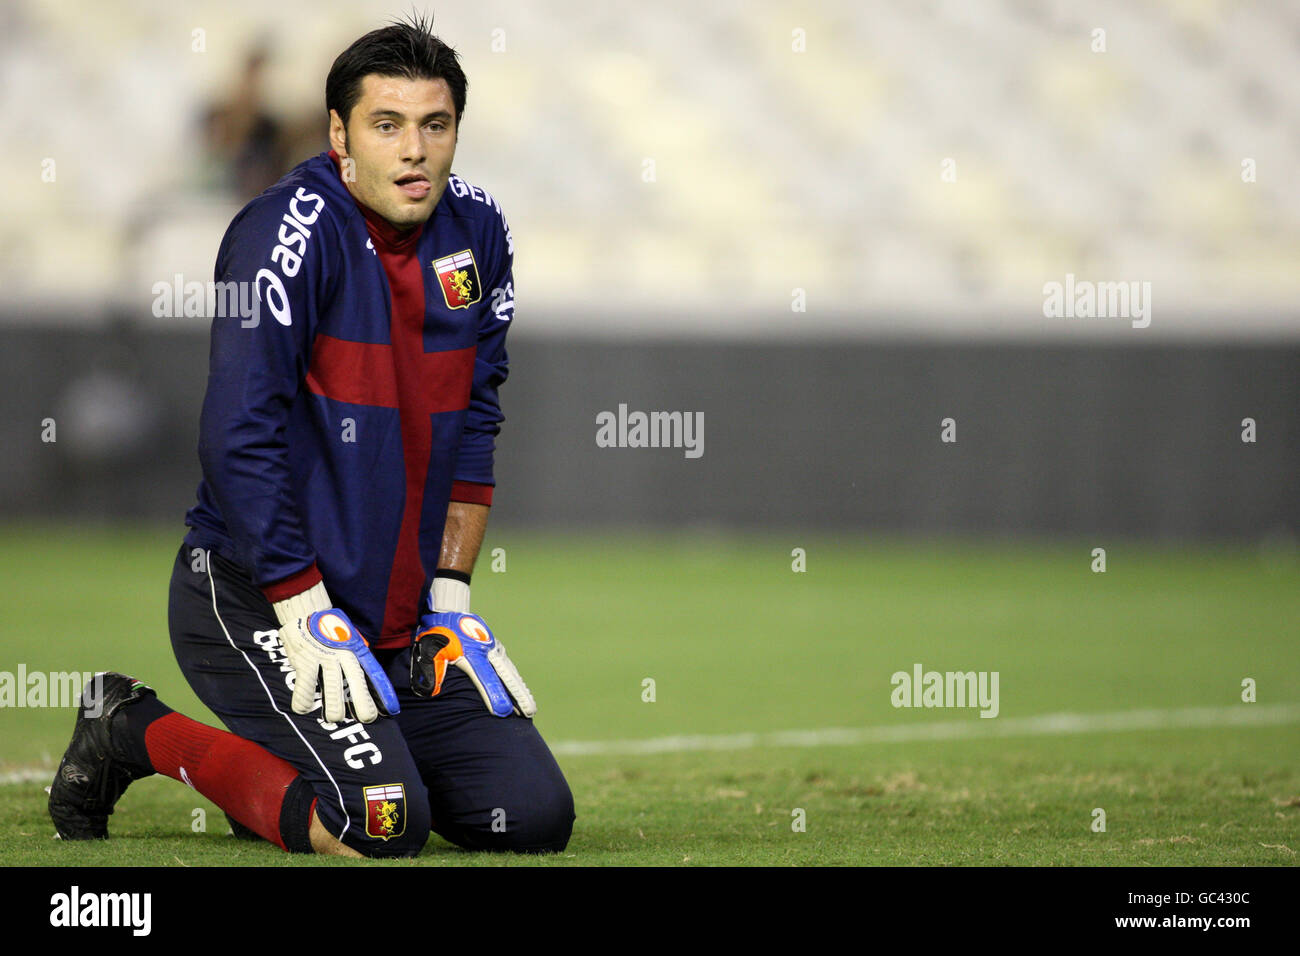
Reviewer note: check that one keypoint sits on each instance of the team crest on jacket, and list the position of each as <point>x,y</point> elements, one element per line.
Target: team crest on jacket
<point>385,810</point>
<point>458,276</point>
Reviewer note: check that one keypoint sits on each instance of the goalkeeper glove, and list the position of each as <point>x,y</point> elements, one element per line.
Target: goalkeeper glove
<point>326,650</point>
<point>463,640</point>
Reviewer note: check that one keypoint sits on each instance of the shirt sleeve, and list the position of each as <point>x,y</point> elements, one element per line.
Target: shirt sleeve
<point>275,251</point>
<point>474,478</point>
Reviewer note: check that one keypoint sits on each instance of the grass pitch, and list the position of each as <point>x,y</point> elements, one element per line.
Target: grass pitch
<point>739,646</point>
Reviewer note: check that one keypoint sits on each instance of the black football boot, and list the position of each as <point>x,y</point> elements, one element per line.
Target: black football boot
<point>94,773</point>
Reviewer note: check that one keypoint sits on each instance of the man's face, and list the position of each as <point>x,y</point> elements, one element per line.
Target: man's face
<point>401,137</point>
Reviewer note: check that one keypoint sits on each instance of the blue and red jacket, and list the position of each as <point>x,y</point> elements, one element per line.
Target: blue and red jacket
<point>341,420</point>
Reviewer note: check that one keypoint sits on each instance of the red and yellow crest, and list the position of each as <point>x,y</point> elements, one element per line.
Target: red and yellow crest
<point>458,276</point>
<point>385,810</point>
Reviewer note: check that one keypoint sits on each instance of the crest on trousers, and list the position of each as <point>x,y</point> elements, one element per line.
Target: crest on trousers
<point>385,810</point>
<point>458,276</point>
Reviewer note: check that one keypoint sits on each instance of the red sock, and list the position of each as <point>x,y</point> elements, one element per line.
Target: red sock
<point>246,780</point>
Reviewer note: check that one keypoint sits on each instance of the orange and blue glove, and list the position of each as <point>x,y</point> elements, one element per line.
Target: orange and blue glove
<point>463,640</point>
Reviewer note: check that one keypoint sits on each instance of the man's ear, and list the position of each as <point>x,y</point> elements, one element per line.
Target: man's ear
<point>337,133</point>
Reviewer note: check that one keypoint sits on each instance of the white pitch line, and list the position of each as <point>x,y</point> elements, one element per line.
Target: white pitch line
<point>41,775</point>
<point>1242,715</point>
<point>1043,725</point>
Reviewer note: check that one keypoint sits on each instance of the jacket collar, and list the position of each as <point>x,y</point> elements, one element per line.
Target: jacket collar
<point>386,236</point>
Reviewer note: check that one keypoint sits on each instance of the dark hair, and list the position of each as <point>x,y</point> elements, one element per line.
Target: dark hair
<point>405,49</point>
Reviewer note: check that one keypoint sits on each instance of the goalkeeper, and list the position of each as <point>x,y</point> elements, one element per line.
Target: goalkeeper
<point>320,603</point>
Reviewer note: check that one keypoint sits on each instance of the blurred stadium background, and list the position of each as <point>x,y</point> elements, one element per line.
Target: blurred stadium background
<point>678,178</point>
<point>793,147</point>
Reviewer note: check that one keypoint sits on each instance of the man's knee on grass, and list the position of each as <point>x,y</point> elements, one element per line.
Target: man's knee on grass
<point>543,825</point>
